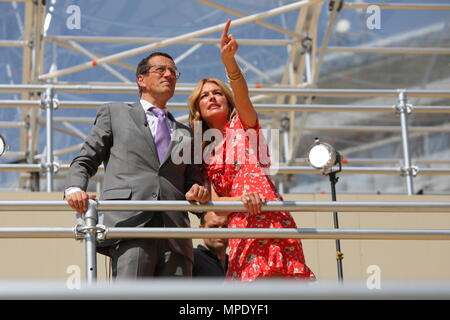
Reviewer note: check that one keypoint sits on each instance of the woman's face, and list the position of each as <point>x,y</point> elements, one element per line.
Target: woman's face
<point>213,104</point>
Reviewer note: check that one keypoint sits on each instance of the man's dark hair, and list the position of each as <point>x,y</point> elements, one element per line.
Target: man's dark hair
<point>143,67</point>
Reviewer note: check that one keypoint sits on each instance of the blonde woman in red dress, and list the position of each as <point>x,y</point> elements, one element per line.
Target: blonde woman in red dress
<point>240,176</point>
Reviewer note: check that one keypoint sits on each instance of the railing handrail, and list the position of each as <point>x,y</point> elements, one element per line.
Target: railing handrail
<point>260,107</point>
<point>268,90</point>
<point>173,205</point>
<point>383,170</point>
<point>212,292</point>
<point>91,232</point>
<point>231,233</point>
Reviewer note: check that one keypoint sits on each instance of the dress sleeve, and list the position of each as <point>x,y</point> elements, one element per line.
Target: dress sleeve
<point>246,127</point>
<point>237,123</point>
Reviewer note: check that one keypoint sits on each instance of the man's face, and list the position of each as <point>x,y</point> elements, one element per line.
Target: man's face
<point>160,78</point>
<point>214,221</point>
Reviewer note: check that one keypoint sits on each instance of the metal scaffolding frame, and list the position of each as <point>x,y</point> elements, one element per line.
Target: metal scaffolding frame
<point>299,79</point>
<point>49,103</point>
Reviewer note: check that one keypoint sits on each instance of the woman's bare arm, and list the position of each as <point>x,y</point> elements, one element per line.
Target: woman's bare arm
<point>244,106</point>
<point>252,201</point>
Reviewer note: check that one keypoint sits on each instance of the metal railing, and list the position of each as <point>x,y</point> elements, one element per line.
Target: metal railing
<point>402,107</point>
<point>274,170</point>
<point>210,290</point>
<point>90,231</point>
<point>187,89</point>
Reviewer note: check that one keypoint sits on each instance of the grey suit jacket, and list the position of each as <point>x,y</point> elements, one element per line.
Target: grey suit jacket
<point>122,140</point>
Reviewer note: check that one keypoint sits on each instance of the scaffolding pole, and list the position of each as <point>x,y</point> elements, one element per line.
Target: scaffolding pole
<point>401,50</point>
<point>49,104</point>
<point>223,206</point>
<point>274,90</point>
<point>244,233</point>
<point>90,237</point>
<point>404,109</point>
<point>396,6</point>
<point>193,41</point>
<point>260,107</point>
<point>173,40</point>
<point>273,171</point>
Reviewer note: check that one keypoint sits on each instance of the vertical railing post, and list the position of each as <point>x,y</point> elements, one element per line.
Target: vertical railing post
<point>48,104</point>
<point>404,108</point>
<point>90,238</point>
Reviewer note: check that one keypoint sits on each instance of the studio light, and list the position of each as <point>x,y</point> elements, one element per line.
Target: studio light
<point>323,156</point>
<point>3,146</point>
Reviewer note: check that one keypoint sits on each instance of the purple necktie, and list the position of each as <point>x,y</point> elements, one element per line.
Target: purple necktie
<point>162,136</point>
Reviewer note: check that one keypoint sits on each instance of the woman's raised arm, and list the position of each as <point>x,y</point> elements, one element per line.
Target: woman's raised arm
<point>244,106</point>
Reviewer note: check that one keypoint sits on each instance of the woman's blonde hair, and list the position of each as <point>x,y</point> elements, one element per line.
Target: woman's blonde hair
<point>194,98</point>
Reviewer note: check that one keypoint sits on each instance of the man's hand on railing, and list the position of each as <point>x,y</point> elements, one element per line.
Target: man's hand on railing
<point>198,193</point>
<point>79,200</point>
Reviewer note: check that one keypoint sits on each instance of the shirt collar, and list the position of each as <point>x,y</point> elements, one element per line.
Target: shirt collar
<point>147,105</point>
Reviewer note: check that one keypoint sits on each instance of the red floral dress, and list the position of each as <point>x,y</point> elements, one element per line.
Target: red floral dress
<point>239,169</point>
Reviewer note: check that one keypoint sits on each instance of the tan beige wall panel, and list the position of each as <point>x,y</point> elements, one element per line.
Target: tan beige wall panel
<point>397,259</point>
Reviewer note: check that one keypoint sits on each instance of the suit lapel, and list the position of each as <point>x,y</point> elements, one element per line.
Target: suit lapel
<point>138,115</point>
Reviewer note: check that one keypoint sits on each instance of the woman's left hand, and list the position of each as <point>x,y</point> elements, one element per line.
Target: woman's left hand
<point>228,45</point>
<point>253,202</point>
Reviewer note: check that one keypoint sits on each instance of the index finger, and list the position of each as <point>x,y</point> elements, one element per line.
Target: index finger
<point>225,31</point>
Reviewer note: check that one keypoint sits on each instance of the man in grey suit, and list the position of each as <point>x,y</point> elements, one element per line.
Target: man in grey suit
<point>135,141</point>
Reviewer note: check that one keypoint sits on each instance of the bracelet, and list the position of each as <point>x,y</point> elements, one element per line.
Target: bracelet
<point>234,76</point>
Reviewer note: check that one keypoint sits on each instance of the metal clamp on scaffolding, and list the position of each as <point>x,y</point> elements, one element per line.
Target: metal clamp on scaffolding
<point>45,166</point>
<point>402,103</point>
<point>56,167</point>
<point>99,230</point>
<point>48,99</point>
<point>306,43</point>
<point>412,170</point>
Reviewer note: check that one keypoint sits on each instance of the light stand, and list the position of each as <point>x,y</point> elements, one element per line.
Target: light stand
<point>339,254</point>
<point>323,156</point>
